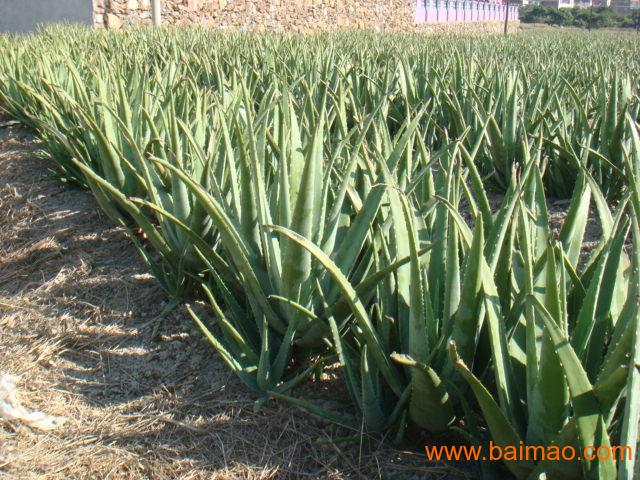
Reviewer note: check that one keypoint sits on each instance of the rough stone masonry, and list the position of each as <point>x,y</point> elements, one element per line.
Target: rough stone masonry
<point>282,15</point>
<point>289,15</point>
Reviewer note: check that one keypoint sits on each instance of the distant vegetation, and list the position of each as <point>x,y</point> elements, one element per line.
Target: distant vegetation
<point>601,17</point>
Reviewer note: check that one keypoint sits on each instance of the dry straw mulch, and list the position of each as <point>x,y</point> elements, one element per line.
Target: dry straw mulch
<point>145,396</point>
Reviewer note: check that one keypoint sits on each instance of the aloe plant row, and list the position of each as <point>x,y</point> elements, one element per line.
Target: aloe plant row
<point>376,201</point>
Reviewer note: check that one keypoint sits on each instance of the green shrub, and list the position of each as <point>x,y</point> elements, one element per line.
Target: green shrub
<point>599,17</point>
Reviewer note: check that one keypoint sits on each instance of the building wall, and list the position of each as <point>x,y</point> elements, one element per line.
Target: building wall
<point>26,15</point>
<point>625,6</point>
<point>558,3</point>
<point>463,11</point>
<point>289,15</point>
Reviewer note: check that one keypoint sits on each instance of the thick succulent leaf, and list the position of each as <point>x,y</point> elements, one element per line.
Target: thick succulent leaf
<point>590,422</point>
<point>430,406</point>
<point>388,371</point>
<point>502,431</point>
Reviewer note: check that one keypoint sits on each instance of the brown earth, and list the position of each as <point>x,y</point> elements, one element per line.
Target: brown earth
<point>145,397</point>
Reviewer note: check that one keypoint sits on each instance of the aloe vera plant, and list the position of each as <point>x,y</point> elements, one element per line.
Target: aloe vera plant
<point>377,201</point>
<point>570,340</point>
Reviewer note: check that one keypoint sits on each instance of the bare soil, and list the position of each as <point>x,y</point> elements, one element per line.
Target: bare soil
<point>145,396</point>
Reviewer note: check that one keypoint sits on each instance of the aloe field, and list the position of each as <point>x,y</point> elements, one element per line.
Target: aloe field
<point>380,206</point>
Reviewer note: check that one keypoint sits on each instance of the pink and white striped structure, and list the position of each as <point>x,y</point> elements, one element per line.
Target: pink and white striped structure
<point>440,11</point>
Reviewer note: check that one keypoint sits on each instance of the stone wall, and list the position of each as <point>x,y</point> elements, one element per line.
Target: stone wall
<point>287,15</point>
<point>284,15</point>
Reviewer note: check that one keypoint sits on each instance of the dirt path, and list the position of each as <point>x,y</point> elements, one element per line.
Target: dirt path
<point>78,314</point>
